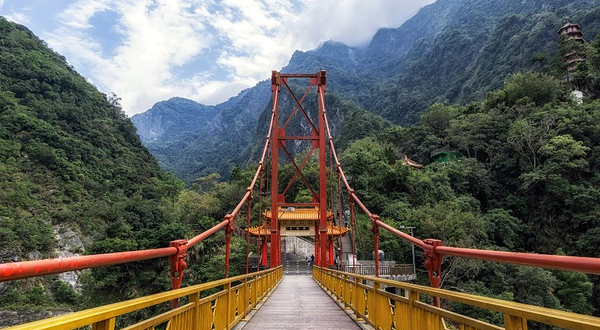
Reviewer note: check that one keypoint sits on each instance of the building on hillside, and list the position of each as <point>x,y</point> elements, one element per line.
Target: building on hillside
<point>444,156</point>
<point>409,162</point>
<point>571,46</point>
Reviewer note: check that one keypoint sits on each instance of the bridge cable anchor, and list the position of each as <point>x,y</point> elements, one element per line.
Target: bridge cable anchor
<point>433,264</point>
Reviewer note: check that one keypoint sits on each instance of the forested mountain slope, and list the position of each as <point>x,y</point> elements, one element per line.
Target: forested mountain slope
<point>450,51</point>
<point>192,140</point>
<point>74,176</point>
<point>528,181</point>
<point>486,42</point>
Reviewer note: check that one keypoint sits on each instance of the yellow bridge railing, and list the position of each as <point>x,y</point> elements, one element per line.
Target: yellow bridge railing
<point>220,310</point>
<point>369,301</point>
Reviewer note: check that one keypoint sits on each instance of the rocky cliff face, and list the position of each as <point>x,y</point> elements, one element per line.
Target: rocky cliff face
<point>173,117</point>
<point>69,244</point>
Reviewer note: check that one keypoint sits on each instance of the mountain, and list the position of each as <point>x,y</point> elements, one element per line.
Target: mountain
<point>74,179</point>
<point>191,139</point>
<point>194,140</point>
<point>484,43</point>
<point>450,51</point>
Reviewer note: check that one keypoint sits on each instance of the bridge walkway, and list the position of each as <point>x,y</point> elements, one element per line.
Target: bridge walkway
<point>294,264</point>
<point>299,303</point>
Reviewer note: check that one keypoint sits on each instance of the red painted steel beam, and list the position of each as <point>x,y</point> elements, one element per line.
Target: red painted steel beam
<point>263,255</point>
<point>275,86</point>
<point>228,232</point>
<point>25,269</point>
<point>299,106</point>
<point>298,75</point>
<point>297,204</point>
<point>375,231</point>
<point>312,138</point>
<point>569,263</point>
<point>293,113</point>
<point>197,239</point>
<point>339,166</point>
<point>298,170</point>
<point>321,86</point>
<point>293,179</point>
<point>404,236</point>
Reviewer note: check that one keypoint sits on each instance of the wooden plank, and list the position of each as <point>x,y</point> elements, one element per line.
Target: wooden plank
<point>299,303</point>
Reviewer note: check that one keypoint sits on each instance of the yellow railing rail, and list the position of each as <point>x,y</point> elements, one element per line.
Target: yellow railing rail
<point>220,310</point>
<point>366,296</point>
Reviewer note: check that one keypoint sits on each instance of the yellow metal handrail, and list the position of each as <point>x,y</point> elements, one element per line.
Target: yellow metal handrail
<point>366,296</point>
<point>221,310</point>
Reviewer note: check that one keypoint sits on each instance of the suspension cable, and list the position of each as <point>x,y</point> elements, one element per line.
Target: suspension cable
<point>259,222</point>
<point>353,234</point>
<point>248,233</point>
<point>333,213</point>
<point>340,221</point>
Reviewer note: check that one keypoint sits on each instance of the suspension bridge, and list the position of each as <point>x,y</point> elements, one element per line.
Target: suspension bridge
<point>330,298</point>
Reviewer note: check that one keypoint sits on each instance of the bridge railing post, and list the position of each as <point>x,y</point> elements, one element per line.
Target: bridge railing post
<point>246,301</point>
<point>374,310</point>
<point>512,322</point>
<point>255,284</point>
<point>104,324</point>
<point>227,316</point>
<point>413,297</point>
<point>433,264</point>
<point>195,299</point>
<point>346,291</point>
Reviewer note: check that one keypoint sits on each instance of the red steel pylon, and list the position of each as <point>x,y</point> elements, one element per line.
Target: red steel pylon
<point>278,142</point>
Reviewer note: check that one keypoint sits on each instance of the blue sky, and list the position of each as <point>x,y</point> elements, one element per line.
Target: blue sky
<point>206,50</point>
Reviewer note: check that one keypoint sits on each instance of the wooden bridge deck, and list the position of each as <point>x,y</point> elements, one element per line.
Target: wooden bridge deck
<point>299,303</point>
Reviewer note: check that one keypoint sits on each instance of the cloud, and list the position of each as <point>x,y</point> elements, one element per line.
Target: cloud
<point>17,17</point>
<point>353,21</point>
<point>156,36</point>
<point>208,50</point>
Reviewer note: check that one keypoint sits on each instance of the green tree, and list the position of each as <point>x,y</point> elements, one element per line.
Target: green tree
<point>537,87</point>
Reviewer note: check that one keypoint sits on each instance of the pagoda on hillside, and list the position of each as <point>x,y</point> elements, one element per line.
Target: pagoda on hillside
<point>571,45</point>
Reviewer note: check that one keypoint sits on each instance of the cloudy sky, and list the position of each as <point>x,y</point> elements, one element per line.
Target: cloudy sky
<point>207,50</point>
